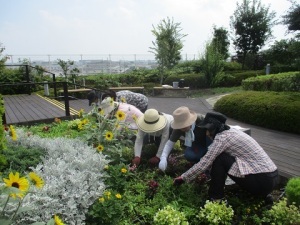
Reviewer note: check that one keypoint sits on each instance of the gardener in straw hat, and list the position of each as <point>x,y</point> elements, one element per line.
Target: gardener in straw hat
<point>195,140</point>
<point>153,127</point>
<point>235,154</point>
<point>110,107</point>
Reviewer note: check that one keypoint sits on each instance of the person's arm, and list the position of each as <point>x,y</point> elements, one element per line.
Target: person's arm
<point>216,148</point>
<point>163,141</point>
<point>138,145</point>
<point>164,156</point>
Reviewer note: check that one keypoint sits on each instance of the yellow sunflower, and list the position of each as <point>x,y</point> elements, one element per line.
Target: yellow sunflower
<point>124,170</point>
<point>36,179</point>
<point>16,181</point>
<point>120,115</point>
<point>109,136</point>
<point>118,196</point>
<point>107,194</point>
<point>100,148</point>
<point>13,133</point>
<point>58,221</point>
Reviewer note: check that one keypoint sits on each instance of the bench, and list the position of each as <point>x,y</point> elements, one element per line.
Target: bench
<point>127,88</point>
<point>75,93</point>
<point>172,92</point>
<point>76,90</point>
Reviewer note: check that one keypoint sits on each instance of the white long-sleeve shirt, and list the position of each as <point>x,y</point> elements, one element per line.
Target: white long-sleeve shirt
<point>164,134</point>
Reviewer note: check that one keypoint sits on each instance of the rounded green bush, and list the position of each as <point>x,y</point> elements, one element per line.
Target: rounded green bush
<point>292,190</point>
<point>274,110</point>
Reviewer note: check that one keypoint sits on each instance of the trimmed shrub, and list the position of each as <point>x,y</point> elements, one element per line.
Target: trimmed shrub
<point>194,81</point>
<point>275,82</point>
<point>292,191</point>
<point>274,110</point>
<point>234,78</point>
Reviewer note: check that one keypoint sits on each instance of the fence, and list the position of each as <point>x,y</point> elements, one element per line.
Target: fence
<point>94,64</point>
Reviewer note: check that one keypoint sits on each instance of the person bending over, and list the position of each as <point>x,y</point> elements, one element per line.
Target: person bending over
<point>153,126</point>
<point>235,154</point>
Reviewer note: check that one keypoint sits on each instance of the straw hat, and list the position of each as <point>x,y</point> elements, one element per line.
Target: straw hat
<point>183,117</point>
<point>107,105</point>
<point>151,121</point>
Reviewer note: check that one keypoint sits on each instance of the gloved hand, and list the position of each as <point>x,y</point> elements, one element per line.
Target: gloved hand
<point>178,181</point>
<point>154,160</point>
<point>163,163</point>
<point>136,161</point>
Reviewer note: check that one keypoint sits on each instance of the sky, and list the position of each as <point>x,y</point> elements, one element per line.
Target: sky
<point>117,27</point>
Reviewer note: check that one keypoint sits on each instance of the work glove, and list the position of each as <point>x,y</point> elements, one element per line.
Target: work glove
<point>154,160</point>
<point>163,163</point>
<point>136,161</point>
<point>178,181</point>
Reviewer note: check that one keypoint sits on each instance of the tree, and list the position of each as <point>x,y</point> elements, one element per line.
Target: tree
<point>221,41</point>
<point>168,45</point>
<point>292,18</point>
<point>251,24</point>
<point>67,66</point>
<point>212,62</point>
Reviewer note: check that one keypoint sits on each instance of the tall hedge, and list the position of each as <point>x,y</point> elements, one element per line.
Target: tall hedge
<point>274,110</point>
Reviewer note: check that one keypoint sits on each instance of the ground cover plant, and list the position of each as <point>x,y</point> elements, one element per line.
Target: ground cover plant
<point>88,179</point>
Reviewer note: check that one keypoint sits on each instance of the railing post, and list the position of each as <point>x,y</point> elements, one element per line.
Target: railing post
<point>28,79</point>
<point>66,98</point>
<point>54,85</point>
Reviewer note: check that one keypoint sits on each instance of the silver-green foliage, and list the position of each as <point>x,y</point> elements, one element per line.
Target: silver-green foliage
<point>74,179</point>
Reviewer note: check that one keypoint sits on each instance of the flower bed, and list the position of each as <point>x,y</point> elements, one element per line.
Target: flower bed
<point>88,180</point>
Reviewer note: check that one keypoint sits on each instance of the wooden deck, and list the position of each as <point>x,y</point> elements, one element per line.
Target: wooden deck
<point>283,148</point>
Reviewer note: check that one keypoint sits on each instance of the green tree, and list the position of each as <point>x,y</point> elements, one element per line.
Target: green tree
<point>251,24</point>
<point>68,68</point>
<point>212,62</point>
<point>292,18</point>
<point>283,52</point>
<point>168,45</point>
<point>221,41</point>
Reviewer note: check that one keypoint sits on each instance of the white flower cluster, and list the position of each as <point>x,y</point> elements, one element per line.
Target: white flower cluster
<point>73,174</point>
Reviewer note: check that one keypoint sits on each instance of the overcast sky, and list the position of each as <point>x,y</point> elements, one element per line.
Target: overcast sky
<point>33,27</point>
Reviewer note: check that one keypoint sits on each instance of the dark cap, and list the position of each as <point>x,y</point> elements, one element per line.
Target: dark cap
<point>210,117</point>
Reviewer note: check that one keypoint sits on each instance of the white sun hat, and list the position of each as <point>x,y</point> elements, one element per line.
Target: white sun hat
<point>151,121</point>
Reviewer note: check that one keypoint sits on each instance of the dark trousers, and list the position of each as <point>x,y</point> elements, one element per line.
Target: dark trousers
<point>260,184</point>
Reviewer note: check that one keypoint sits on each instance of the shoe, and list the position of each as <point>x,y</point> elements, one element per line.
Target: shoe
<point>269,200</point>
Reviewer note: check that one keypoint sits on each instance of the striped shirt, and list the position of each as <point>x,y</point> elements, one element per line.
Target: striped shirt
<point>250,158</point>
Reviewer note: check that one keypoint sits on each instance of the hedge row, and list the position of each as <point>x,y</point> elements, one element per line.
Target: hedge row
<point>289,81</point>
<point>234,78</point>
<point>274,110</point>
<point>194,81</point>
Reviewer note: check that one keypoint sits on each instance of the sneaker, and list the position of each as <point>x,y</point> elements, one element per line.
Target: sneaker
<point>269,200</point>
